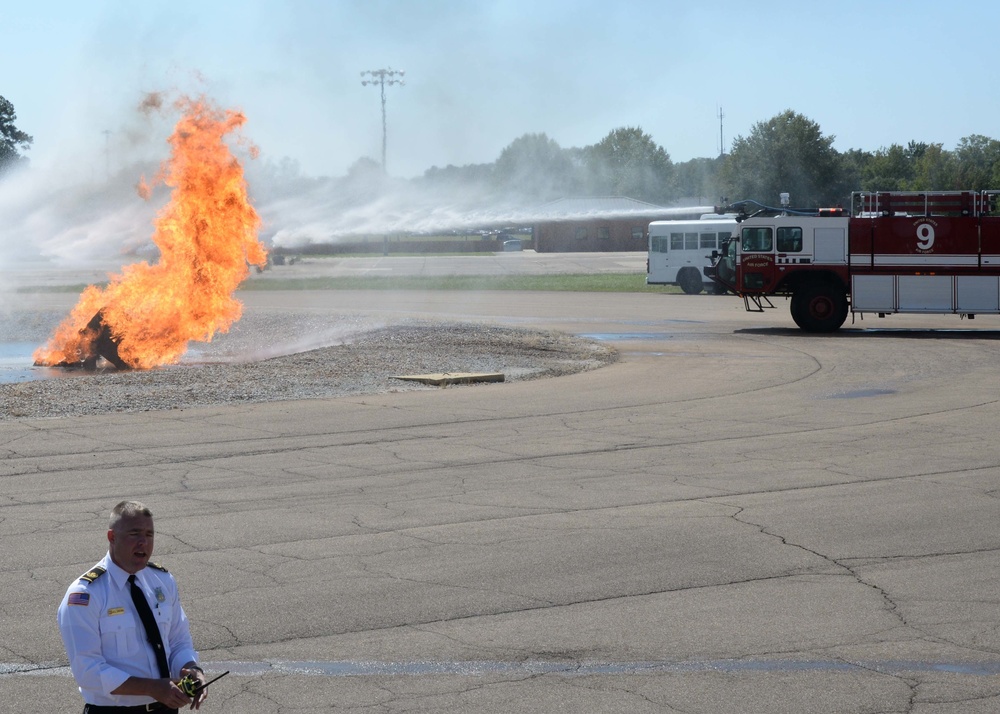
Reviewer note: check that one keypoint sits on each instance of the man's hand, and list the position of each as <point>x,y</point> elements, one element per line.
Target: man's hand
<point>167,692</point>
<point>202,693</point>
<point>164,691</point>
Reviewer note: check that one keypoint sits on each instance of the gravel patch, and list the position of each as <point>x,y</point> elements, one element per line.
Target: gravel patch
<point>274,357</point>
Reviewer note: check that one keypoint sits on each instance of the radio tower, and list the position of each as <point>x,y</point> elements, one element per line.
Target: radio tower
<point>382,77</point>
<point>722,145</point>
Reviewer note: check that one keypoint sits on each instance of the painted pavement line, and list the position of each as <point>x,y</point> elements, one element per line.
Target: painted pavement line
<point>476,668</point>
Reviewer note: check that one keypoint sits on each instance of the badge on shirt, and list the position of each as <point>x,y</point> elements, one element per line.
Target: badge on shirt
<point>116,610</point>
<point>160,597</point>
<point>78,599</point>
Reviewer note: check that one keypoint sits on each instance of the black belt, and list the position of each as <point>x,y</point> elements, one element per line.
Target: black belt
<point>101,709</point>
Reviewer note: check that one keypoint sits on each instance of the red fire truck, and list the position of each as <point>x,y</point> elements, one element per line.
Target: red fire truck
<point>893,253</point>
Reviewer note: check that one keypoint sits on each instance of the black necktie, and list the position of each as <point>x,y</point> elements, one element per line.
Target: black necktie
<point>149,623</point>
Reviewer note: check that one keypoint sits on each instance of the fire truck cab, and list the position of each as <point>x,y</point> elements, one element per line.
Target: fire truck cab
<point>896,253</point>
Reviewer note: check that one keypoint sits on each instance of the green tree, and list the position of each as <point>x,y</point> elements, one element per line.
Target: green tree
<point>889,170</point>
<point>853,164</point>
<point>698,180</point>
<point>534,166</point>
<point>787,153</point>
<point>364,169</point>
<point>365,180</point>
<point>935,170</point>
<point>469,176</point>
<point>627,162</point>
<point>11,138</point>
<point>978,159</point>
<point>916,167</point>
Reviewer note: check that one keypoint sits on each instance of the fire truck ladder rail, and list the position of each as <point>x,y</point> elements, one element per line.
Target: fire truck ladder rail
<point>758,301</point>
<point>929,203</point>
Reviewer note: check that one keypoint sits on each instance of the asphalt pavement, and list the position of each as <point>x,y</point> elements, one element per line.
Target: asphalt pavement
<point>735,517</point>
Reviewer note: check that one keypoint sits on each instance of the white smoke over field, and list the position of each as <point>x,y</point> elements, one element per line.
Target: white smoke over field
<point>45,220</point>
<point>48,220</point>
<point>323,211</point>
<point>85,210</point>
<point>324,215</point>
<point>106,223</point>
<point>48,217</point>
<point>93,216</point>
<point>298,211</point>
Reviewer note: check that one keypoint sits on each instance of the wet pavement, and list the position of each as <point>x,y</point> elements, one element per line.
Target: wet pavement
<point>734,517</point>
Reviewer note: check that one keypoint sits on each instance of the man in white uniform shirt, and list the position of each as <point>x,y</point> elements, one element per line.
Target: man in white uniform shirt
<point>125,632</point>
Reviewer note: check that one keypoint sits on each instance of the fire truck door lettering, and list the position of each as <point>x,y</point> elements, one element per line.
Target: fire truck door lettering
<point>757,262</point>
<point>925,236</point>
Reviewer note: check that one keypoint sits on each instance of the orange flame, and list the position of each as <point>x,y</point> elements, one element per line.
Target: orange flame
<point>207,236</point>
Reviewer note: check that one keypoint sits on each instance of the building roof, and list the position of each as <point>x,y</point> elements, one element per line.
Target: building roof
<point>610,207</point>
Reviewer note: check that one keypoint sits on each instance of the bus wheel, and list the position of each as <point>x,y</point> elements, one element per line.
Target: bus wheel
<point>819,307</point>
<point>690,281</point>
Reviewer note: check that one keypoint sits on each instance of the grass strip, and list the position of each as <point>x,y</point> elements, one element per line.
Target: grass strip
<point>605,282</point>
<point>585,283</point>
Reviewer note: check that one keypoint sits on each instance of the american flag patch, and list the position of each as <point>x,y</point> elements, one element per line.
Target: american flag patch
<point>78,599</point>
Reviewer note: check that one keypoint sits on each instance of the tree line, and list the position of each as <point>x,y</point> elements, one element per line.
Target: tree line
<point>787,153</point>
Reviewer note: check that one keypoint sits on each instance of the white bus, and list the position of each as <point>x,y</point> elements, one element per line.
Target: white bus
<point>679,251</point>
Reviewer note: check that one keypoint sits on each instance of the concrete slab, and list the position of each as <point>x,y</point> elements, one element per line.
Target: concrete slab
<point>735,517</point>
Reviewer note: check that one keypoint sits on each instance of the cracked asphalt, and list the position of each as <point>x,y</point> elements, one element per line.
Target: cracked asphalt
<point>734,517</point>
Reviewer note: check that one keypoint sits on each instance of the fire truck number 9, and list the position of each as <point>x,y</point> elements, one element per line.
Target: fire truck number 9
<point>925,236</point>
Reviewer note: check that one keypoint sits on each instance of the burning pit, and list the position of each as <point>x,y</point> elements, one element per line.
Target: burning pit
<point>207,238</point>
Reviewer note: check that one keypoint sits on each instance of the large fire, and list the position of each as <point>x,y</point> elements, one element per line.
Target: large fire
<point>207,236</point>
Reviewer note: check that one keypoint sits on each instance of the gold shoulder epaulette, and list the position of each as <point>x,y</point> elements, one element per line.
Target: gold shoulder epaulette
<point>94,574</point>
<point>151,564</point>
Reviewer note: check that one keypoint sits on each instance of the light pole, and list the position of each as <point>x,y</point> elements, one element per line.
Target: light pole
<point>722,146</point>
<point>382,77</point>
<point>107,153</point>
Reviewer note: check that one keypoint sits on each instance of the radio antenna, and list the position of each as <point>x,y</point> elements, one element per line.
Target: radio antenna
<point>722,145</point>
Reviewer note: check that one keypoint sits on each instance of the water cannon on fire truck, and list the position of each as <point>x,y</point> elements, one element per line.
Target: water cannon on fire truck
<point>893,252</point>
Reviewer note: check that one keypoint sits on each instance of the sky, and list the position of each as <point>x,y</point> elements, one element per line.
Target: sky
<point>481,73</point>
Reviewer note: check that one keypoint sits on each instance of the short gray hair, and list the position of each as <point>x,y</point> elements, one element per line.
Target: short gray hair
<point>127,509</point>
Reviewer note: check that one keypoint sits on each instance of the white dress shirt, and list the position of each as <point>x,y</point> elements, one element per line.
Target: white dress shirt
<point>105,639</point>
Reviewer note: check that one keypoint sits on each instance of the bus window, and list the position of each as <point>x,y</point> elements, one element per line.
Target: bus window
<point>723,237</point>
<point>757,240</point>
<point>679,251</point>
<point>789,240</point>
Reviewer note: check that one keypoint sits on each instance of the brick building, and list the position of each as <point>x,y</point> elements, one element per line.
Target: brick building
<point>614,223</point>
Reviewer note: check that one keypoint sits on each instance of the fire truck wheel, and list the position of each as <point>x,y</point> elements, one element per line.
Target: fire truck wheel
<point>690,281</point>
<point>821,307</point>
